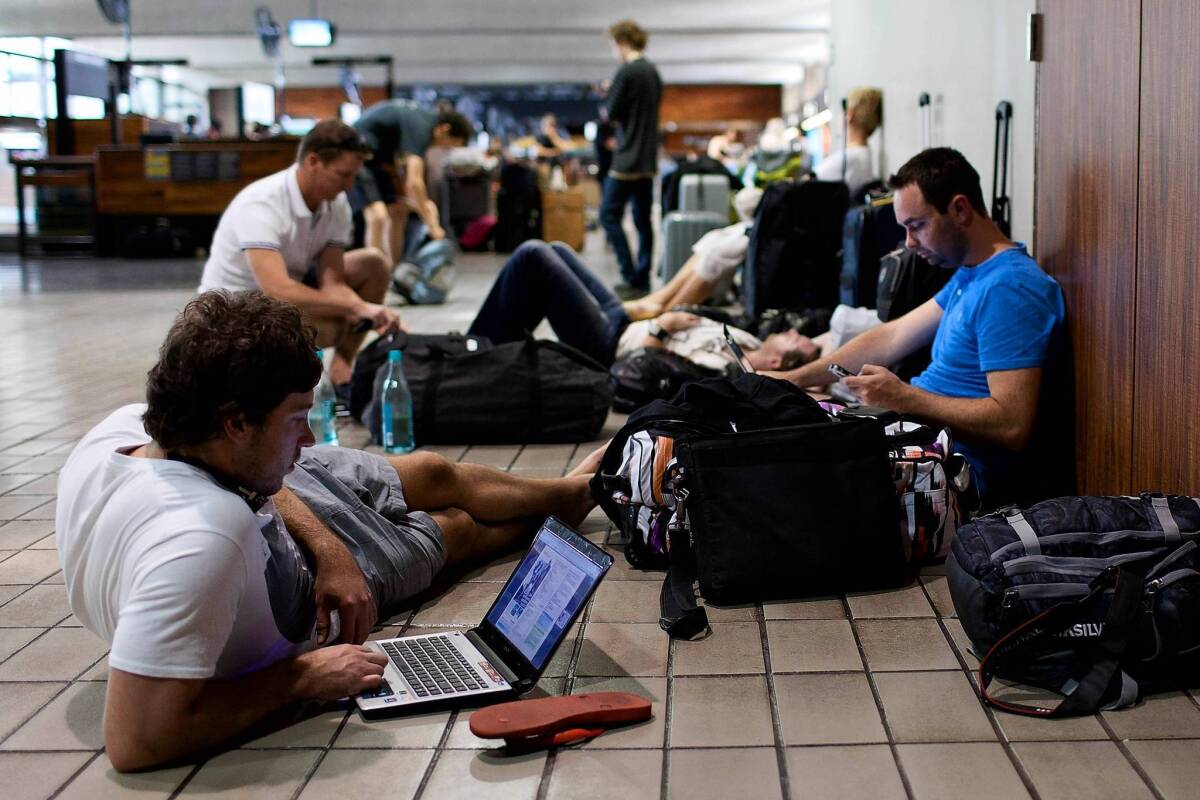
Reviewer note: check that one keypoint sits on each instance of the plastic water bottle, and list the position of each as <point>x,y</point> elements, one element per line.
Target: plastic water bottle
<point>395,408</point>
<point>324,410</point>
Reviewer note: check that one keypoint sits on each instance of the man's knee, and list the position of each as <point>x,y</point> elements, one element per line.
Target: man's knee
<point>429,469</point>
<point>367,266</point>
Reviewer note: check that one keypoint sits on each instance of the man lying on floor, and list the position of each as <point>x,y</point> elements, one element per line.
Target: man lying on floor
<point>549,281</point>
<point>205,539</point>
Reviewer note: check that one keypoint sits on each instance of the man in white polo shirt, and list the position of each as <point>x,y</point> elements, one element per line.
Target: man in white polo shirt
<point>288,234</point>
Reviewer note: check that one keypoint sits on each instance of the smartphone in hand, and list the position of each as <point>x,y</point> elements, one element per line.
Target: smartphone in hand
<point>839,371</point>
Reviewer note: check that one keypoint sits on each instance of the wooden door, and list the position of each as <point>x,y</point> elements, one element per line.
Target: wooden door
<point>1166,409</point>
<point>1086,215</point>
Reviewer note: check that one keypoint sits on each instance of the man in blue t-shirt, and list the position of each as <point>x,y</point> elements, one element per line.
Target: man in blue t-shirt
<point>996,329</point>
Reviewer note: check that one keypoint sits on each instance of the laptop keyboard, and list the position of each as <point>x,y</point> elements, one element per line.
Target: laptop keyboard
<point>432,666</point>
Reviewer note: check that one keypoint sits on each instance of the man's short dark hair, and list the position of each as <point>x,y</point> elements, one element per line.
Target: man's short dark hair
<point>329,138</point>
<point>941,173</point>
<point>460,127</point>
<point>629,32</point>
<point>228,354</point>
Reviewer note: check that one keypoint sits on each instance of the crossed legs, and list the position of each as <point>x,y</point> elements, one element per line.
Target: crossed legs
<point>484,512</point>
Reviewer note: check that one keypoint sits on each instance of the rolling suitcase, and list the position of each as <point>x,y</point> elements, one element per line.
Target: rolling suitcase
<point>869,232</point>
<point>704,193</point>
<point>681,230</point>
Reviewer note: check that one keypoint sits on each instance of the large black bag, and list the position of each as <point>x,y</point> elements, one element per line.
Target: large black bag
<point>651,373</point>
<point>767,498</point>
<point>1095,598</point>
<point>512,393</point>
<point>518,208</point>
<point>906,281</point>
<point>416,346</point>
<point>793,258</point>
<point>869,232</point>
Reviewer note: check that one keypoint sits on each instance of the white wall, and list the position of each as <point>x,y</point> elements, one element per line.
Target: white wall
<point>970,53</point>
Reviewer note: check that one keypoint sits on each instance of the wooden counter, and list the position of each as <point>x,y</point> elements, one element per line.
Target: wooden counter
<point>186,178</point>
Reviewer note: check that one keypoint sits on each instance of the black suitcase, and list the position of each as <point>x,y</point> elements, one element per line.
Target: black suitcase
<point>518,208</point>
<point>795,246</point>
<point>906,281</point>
<point>869,232</point>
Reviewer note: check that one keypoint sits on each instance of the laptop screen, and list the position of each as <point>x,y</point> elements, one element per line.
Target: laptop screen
<point>546,592</point>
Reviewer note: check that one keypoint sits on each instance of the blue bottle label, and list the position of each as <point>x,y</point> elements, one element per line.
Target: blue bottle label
<point>387,429</point>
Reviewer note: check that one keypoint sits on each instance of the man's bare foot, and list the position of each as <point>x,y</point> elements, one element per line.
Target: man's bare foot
<point>642,309</point>
<point>590,463</point>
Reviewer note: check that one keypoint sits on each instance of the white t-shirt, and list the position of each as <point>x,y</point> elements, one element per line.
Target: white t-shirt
<point>703,344</point>
<point>270,214</point>
<point>721,251</point>
<point>858,168</point>
<point>163,563</point>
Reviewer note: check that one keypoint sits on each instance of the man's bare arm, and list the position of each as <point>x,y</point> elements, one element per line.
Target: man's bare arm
<point>272,276</point>
<point>1005,419</point>
<point>883,344</point>
<point>152,721</point>
<point>418,195</point>
<point>340,583</point>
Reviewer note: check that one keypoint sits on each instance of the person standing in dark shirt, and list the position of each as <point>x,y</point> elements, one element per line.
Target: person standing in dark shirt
<point>392,181</point>
<point>632,105</point>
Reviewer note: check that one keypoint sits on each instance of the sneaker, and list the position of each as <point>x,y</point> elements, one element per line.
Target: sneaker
<point>627,291</point>
<point>405,278</point>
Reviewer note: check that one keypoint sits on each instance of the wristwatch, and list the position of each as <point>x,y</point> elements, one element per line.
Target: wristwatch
<point>658,331</point>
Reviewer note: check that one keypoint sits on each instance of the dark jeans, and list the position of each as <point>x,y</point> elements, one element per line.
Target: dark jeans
<point>612,210</point>
<point>548,281</point>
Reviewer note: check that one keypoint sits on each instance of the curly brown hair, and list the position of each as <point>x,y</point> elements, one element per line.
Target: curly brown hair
<point>227,354</point>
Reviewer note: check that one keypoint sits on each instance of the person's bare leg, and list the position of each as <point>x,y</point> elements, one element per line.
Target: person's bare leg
<point>469,540</point>
<point>397,223</point>
<point>431,483</point>
<point>367,273</point>
<point>377,221</point>
<point>683,286</point>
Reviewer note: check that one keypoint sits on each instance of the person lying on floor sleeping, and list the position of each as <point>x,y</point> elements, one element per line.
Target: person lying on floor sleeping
<point>549,281</point>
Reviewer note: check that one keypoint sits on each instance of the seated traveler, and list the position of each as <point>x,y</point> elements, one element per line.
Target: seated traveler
<point>288,235</point>
<point>996,330</point>
<point>549,281</point>
<point>216,551</point>
<point>864,111</point>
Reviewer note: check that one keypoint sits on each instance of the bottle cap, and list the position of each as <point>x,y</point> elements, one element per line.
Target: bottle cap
<point>394,355</point>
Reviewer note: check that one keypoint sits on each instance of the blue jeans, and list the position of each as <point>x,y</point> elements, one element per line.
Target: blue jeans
<point>612,211</point>
<point>548,281</point>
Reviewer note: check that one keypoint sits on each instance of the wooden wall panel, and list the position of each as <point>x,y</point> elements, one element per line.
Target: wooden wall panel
<point>1086,210</point>
<point>683,103</point>
<point>1166,448</point>
<point>324,102</point>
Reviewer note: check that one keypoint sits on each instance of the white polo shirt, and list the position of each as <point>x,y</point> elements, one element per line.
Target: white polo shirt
<point>270,214</point>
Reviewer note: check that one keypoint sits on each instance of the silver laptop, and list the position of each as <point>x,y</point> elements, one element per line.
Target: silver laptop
<point>505,655</point>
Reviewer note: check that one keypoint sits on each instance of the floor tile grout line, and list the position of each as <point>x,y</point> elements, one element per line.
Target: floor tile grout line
<point>879,708</point>
<point>323,752</point>
<point>62,787</point>
<point>438,750</point>
<point>668,713</point>
<point>773,704</point>
<point>1005,745</point>
<point>1130,758</point>
<point>183,783</point>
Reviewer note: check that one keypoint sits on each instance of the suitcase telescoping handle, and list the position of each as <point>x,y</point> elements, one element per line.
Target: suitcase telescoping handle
<point>1001,209</point>
<point>925,116</point>
<point>845,134</point>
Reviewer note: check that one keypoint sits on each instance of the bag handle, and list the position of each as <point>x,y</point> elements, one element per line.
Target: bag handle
<point>1103,677</point>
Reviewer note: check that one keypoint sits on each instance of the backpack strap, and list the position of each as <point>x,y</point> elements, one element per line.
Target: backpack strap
<point>680,617</point>
<point>1029,537</point>
<point>1162,510</point>
<point>1103,676</point>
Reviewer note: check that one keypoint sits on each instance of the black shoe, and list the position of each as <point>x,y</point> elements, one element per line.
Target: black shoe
<point>627,291</point>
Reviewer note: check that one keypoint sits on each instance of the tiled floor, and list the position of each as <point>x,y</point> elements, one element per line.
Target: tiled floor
<point>868,696</point>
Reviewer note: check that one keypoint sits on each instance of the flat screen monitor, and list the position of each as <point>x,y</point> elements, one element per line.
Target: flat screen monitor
<point>258,103</point>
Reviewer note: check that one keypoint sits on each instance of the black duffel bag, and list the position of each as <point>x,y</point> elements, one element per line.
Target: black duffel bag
<point>651,373</point>
<point>415,346</point>
<point>760,494</point>
<point>512,393</point>
<point>1094,598</point>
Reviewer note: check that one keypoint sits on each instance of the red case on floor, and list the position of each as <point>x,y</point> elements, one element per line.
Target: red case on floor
<point>549,721</point>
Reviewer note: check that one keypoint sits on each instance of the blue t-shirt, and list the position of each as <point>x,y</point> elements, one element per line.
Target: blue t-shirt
<point>1002,314</point>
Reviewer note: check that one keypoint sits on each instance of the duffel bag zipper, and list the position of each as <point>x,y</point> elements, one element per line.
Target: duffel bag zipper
<point>1043,591</point>
<point>1070,565</point>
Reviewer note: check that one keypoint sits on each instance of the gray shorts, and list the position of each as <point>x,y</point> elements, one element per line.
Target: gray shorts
<point>359,497</point>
